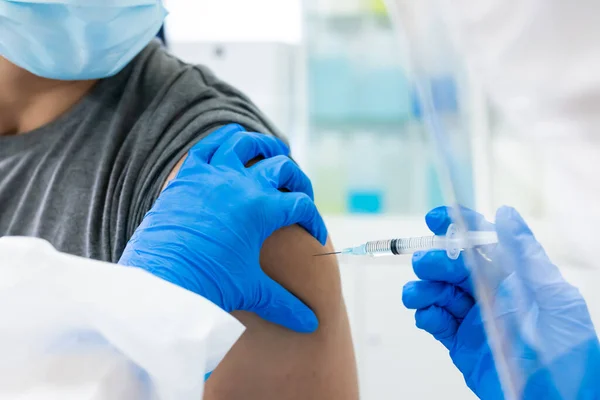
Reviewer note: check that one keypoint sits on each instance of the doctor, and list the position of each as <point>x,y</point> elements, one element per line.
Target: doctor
<point>538,63</point>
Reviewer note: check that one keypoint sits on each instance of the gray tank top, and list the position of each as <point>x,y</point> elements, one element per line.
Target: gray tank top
<point>85,181</point>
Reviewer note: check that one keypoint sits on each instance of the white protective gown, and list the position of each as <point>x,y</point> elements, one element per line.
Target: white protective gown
<point>73,328</point>
<point>539,63</point>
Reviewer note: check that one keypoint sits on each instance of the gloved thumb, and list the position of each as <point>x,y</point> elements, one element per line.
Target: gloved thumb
<point>529,261</point>
<point>280,307</point>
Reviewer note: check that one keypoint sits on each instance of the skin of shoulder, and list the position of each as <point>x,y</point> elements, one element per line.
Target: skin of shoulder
<point>271,362</point>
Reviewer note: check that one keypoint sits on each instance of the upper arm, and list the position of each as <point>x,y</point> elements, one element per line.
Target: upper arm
<point>271,362</point>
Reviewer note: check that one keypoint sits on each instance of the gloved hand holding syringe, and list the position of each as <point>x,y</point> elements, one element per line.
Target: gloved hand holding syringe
<point>453,242</point>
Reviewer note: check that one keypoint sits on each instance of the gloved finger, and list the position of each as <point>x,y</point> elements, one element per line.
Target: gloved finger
<point>298,208</point>
<point>434,265</point>
<point>283,173</point>
<point>242,147</point>
<point>440,218</point>
<point>279,306</point>
<point>423,294</point>
<point>439,323</point>
<point>527,256</point>
<point>204,150</point>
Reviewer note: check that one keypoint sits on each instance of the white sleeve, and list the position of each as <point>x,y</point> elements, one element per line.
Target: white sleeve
<point>539,62</point>
<point>537,59</point>
<point>74,328</point>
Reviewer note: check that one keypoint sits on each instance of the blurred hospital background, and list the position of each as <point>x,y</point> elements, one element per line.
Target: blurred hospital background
<point>331,74</point>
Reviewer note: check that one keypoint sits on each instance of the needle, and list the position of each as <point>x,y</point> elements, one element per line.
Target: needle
<point>327,254</point>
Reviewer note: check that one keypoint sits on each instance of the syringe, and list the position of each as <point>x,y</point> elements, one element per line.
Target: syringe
<point>452,242</point>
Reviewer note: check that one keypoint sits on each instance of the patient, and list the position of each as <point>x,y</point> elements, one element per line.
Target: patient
<point>81,162</point>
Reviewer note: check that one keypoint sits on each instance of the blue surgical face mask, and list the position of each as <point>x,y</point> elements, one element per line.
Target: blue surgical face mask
<point>77,39</point>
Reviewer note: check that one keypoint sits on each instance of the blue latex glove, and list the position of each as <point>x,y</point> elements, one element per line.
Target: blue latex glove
<point>552,346</point>
<point>206,230</point>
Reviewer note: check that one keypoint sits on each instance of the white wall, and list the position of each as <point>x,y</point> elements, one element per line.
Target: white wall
<point>235,20</point>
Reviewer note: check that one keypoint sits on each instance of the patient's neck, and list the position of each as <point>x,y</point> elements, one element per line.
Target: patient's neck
<point>28,102</point>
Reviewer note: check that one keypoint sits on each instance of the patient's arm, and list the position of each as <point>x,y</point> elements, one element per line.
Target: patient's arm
<point>271,362</point>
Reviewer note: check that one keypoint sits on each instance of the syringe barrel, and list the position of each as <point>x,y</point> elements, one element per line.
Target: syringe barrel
<point>413,244</point>
<point>402,246</point>
<point>453,243</point>
<point>379,247</point>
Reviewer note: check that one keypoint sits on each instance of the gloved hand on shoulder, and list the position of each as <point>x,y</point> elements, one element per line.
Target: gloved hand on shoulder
<point>206,229</point>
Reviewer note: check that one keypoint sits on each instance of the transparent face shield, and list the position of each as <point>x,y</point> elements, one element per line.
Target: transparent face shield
<point>515,137</point>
